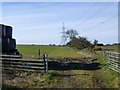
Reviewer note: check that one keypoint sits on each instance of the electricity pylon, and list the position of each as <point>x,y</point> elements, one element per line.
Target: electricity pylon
<point>64,36</point>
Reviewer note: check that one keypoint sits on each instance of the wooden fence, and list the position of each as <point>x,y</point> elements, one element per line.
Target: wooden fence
<point>25,64</point>
<point>113,60</point>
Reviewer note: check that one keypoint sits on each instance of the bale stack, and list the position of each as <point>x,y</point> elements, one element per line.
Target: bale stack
<point>8,43</point>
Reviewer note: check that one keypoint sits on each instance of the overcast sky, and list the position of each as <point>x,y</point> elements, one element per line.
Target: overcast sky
<point>41,22</point>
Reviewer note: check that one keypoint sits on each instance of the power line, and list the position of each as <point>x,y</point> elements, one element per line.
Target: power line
<point>103,22</point>
<point>84,13</point>
<point>92,16</point>
<point>101,30</point>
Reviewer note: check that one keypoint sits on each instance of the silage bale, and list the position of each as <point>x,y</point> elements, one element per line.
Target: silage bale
<point>5,31</point>
<point>12,44</point>
<point>5,44</point>
<point>0,41</point>
<point>1,30</point>
<point>8,32</point>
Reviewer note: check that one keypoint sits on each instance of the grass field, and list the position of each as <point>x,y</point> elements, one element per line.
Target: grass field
<point>53,51</point>
<point>69,74</point>
<point>109,77</point>
<point>114,48</point>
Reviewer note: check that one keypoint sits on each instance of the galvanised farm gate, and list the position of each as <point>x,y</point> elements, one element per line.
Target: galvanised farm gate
<point>113,60</point>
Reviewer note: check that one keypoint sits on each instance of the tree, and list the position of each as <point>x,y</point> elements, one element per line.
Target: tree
<point>95,42</point>
<point>71,33</point>
<point>79,43</point>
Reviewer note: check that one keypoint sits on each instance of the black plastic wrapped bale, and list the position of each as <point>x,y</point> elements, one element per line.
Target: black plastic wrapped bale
<point>0,39</point>
<point>5,44</point>
<point>12,44</point>
<point>0,45</point>
<point>6,31</point>
<point>15,52</point>
<point>1,28</point>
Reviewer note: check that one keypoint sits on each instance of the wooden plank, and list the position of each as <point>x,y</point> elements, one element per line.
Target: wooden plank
<point>19,69</point>
<point>20,59</point>
<point>23,67</point>
<point>31,61</point>
<point>19,63</point>
<point>11,56</point>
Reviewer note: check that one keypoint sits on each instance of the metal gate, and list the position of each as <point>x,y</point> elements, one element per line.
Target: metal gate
<point>113,60</point>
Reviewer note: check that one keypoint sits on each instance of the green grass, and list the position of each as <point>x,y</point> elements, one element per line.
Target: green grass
<point>107,76</point>
<point>111,47</point>
<point>52,51</point>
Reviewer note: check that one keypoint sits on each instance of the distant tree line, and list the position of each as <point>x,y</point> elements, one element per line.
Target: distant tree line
<point>79,42</point>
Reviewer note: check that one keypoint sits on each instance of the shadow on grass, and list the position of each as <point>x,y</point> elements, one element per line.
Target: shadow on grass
<point>55,65</point>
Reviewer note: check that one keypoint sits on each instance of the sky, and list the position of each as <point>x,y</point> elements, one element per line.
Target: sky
<point>42,22</point>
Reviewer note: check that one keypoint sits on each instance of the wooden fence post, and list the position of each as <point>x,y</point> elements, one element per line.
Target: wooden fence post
<point>39,54</point>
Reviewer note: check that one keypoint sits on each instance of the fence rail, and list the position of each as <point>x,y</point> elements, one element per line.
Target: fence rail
<point>10,56</point>
<point>113,60</point>
<point>11,62</point>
